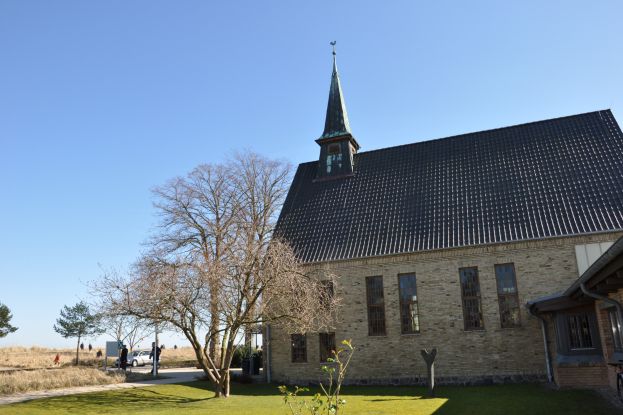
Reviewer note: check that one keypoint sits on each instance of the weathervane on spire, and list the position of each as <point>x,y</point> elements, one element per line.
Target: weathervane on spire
<point>333,44</point>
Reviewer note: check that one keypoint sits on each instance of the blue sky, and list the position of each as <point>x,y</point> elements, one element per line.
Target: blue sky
<point>102,100</point>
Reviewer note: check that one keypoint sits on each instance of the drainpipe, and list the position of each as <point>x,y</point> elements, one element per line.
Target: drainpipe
<point>548,359</point>
<point>605,299</point>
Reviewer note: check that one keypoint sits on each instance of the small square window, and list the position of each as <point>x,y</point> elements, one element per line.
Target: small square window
<point>579,332</point>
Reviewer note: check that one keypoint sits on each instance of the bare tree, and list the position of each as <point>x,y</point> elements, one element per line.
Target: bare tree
<point>198,214</point>
<point>127,329</point>
<point>215,268</point>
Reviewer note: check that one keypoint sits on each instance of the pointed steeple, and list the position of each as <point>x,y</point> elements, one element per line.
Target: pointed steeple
<point>336,122</point>
<point>337,145</point>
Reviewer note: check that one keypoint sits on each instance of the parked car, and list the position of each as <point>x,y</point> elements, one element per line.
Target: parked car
<point>137,358</point>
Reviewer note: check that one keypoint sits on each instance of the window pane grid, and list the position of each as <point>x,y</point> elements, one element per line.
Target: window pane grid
<point>334,158</point>
<point>299,348</point>
<point>470,293</point>
<point>615,326</point>
<point>579,332</point>
<point>508,298</point>
<point>409,316</point>
<point>376,306</point>
<point>328,291</point>
<point>327,345</point>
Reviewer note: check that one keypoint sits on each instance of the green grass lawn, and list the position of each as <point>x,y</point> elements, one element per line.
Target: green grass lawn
<point>196,398</point>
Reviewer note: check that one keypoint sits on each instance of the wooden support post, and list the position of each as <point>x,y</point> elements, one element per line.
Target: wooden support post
<point>429,358</point>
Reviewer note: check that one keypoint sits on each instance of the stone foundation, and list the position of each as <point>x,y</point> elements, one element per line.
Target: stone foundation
<point>439,381</point>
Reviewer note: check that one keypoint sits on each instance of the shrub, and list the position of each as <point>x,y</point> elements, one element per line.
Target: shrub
<point>329,402</point>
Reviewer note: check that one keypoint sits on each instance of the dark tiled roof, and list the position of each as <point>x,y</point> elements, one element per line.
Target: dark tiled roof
<point>543,179</point>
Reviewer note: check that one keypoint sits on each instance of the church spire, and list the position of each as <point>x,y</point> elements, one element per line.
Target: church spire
<point>336,122</point>
<point>337,144</point>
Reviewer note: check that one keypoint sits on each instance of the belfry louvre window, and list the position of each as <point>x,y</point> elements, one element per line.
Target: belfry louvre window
<point>615,326</point>
<point>507,295</point>
<point>376,306</point>
<point>579,332</point>
<point>327,345</point>
<point>409,316</point>
<point>470,294</point>
<point>334,157</point>
<point>299,348</point>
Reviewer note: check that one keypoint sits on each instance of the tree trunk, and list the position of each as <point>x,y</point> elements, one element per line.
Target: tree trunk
<point>227,383</point>
<point>78,351</point>
<point>214,322</point>
<point>222,386</point>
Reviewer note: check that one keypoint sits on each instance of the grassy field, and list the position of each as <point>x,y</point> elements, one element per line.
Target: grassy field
<point>39,379</point>
<point>37,370</point>
<point>19,381</point>
<point>195,398</point>
<point>41,357</point>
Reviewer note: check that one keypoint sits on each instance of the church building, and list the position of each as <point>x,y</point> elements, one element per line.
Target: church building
<point>458,244</point>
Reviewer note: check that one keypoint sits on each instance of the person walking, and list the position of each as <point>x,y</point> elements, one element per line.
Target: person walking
<point>124,358</point>
<point>155,354</point>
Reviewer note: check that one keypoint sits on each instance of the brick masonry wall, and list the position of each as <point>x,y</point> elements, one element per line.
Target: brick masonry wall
<point>495,354</point>
<point>579,375</point>
<point>582,376</point>
<point>605,334</point>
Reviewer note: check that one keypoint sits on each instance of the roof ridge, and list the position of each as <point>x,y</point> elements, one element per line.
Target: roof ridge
<point>608,110</point>
<point>490,130</point>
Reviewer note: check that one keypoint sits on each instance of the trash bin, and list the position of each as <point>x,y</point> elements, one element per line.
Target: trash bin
<point>257,363</point>
<point>246,365</point>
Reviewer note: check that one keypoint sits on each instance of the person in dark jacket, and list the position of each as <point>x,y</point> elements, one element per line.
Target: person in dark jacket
<point>124,358</point>
<point>156,353</point>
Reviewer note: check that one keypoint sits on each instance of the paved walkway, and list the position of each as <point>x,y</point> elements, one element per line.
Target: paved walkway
<point>173,376</point>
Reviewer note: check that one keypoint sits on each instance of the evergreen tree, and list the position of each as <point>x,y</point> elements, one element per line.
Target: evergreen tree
<point>78,321</point>
<point>5,319</point>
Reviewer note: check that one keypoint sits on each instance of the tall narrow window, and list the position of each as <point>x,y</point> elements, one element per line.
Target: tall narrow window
<point>327,293</point>
<point>299,348</point>
<point>507,295</point>
<point>579,332</point>
<point>470,293</point>
<point>615,326</point>
<point>376,306</point>
<point>334,158</point>
<point>327,345</point>
<point>409,316</point>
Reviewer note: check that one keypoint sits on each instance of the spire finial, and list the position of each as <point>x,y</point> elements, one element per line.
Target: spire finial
<point>334,63</point>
